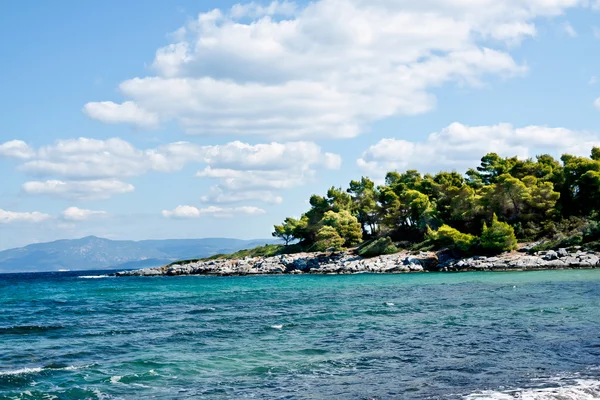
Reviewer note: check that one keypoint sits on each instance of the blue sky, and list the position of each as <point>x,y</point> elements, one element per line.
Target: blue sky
<point>154,119</point>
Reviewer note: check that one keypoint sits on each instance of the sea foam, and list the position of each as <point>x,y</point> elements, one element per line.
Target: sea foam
<point>37,370</point>
<point>22,371</point>
<point>579,389</point>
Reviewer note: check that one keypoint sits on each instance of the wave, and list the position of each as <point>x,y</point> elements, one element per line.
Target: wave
<point>202,310</point>
<point>37,370</point>
<point>28,329</point>
<point>22,371</point>
<point>579,389</point>
<point>95,276</point>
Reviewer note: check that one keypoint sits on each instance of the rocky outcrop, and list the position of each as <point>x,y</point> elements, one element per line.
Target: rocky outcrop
<point>301,263</point>
<point>348,263</point>
<point>561,259</point>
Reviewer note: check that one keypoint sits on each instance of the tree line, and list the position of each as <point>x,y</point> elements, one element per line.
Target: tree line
<point>488,208</point>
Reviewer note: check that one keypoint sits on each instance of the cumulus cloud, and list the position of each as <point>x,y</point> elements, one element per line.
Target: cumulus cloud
<point>16,149</point>
<point>79,214</point>
<point>253,10</point>
<point>7,217</point>
<point>460,147</point>
<point>241,168</point>
<point>597,103</point>
<point>218,195</point>
<point>85,158</point>
<point>78,190</point>
<point>189,212</point>
<point>328,68</point>
<point>127,112</point>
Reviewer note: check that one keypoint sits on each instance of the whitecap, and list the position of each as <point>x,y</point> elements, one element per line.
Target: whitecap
<point>115,379</point>
<point>277,326</point>
<point>36,370</point>
<point>579,389</point>
<point>22,371</point>
<point>390,304</point>
<point>94,276</point>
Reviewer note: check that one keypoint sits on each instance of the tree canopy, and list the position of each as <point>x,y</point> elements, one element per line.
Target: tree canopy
<point>491,206</point>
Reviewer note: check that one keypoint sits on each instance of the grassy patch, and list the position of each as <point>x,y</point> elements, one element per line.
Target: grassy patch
<point>268,250</point>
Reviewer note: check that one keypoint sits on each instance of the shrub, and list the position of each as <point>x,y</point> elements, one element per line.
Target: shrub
<point>346,225</point>
<point>592,231</point>
<point>498,237</point>
<point>378,247</point>
<point>328,238</point>
<point>452,238</point>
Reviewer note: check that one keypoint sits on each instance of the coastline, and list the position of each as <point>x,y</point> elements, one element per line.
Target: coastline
<point>346,262</point>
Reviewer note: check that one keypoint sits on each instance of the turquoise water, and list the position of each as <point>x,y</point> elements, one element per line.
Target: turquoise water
<point>418,336</point>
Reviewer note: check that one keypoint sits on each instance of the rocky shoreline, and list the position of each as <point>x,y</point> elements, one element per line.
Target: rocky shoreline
<point>403,262</point>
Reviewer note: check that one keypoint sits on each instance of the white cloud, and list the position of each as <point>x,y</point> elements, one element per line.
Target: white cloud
<point>253,10</point>
<point>7,217</point>
<point>330,68</point>
<point>460,147</point>
<point>127,112</point>
<point>569,30</point>
<point>189,212</point>
<point>217,195</point>
<point>91,158</point>
<point>78,190</point>
<point>593,80</point>
<point>85,158</point>
<point>79,214</point>
<point>597,103</point>
<point>241,180</point>
<point>247,172</point>
<point>241,168</point>
<point>16,149</point>
<point>182,212</point>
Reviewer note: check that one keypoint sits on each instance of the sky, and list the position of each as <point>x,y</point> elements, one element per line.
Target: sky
<point>188,119</point>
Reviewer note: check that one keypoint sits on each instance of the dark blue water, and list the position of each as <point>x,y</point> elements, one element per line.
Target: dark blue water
<point>418,336</point>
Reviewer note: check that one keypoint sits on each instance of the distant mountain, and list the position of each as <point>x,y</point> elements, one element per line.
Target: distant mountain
<point>96,253</point>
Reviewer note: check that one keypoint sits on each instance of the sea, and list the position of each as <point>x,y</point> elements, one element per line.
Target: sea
<point>475,335</point>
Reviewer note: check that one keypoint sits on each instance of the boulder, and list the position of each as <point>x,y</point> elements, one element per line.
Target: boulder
<point>563,252</point>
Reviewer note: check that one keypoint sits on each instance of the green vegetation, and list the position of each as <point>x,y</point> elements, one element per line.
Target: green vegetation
<point>446,236</point>
<point>377,247</point>
<point>499,237</point>
<point>485,211</point>
<point>267,250</point>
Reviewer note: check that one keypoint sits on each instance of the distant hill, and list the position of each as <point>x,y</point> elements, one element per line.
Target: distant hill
<point>96,253</point>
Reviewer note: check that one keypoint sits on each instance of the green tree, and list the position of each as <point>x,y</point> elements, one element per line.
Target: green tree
<point>339,200</point>
<point>589,193</point>
<point>346,225</point>
<point>498,237</point>
<point>364,204</point>
<point>310,223</point>
<point>574,196</point>
<point>414,208</point>
<point>454,202</point>
<point>448,236</point>
<point>328,238</point>
<point>507,197</point>
<point>410,179</point>
<point>287,231</point>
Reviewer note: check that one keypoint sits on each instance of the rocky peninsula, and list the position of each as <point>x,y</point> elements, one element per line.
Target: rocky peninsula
<point>403,262</point>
